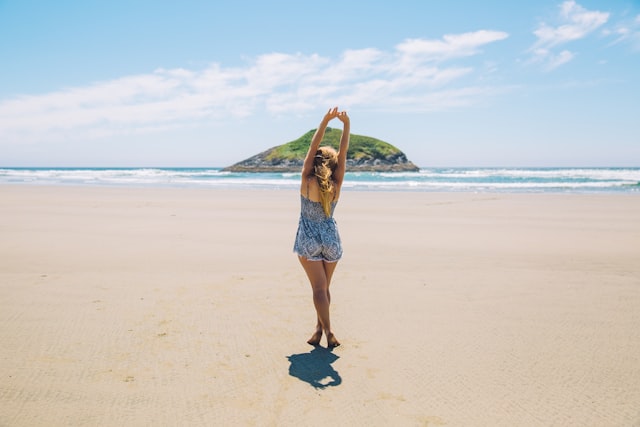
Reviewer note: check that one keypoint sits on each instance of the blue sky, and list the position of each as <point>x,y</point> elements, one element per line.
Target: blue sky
<point>210,83</point>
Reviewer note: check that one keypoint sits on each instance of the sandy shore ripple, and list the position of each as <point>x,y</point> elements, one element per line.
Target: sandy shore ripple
<point>166,307</point>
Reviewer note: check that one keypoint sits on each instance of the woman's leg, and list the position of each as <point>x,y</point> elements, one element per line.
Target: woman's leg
<point>319,274</point>
<point>329,268</point>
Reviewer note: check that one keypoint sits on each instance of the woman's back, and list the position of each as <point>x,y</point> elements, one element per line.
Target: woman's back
<point>310,189</point>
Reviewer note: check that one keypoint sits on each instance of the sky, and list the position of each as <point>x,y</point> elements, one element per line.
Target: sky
<point>142,83</point>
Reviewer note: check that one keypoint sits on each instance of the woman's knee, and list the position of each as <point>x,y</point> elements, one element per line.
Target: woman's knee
<point>320,296</point>
<point>320,285</point>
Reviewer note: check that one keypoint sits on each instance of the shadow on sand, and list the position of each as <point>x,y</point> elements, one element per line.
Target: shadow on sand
<point>315,368</point>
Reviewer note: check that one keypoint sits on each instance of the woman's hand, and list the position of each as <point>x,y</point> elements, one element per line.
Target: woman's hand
<point>331,114</point>
<point>343,117</point>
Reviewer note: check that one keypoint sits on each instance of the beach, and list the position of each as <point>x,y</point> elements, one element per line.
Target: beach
<point>187,306</point>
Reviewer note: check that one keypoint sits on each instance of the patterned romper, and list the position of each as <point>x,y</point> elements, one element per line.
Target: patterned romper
<point>317,238</point>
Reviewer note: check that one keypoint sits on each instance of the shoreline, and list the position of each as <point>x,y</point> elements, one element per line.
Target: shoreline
<point>129,306</point>
<point>498,180</point>
<point>345,189</point>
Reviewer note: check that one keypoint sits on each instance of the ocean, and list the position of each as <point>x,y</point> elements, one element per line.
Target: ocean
<point>525,180</point>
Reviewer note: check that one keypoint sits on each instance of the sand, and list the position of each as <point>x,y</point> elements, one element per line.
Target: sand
<point>166,307</point>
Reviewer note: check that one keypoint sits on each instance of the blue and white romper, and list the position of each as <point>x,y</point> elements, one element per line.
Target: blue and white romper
<point>317,238</point>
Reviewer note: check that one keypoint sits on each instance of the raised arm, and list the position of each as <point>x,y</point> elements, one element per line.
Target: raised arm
<point>338,175</point>
<point>307,166</point>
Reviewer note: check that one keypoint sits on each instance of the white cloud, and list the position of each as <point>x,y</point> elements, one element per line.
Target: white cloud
<point>418,51</point>
<point>410,77</point>
<point>555,61</point>
<point>626,31</point>
<point>576,23</point>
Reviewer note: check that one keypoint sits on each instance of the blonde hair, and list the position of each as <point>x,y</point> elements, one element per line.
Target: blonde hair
<point>324,164</point>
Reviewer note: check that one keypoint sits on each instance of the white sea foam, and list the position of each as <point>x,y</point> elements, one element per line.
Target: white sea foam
<point>428,179</point>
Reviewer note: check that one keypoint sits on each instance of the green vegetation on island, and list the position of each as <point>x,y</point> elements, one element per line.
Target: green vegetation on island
<point>365,154</point>
<point>359,146</point>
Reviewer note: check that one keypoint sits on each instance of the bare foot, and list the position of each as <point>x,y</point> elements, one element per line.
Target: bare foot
<point>315,338</point>
<point>332,341</point>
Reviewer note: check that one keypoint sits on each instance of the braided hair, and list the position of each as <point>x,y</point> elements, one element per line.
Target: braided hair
<point>324,164</point>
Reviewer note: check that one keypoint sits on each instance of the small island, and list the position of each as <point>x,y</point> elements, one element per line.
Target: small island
<point>365,154</point>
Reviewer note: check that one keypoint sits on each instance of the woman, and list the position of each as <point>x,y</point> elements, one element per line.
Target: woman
<point>317,241</point>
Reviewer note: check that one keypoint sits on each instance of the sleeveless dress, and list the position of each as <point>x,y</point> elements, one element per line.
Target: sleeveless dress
<point>317,238</point>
